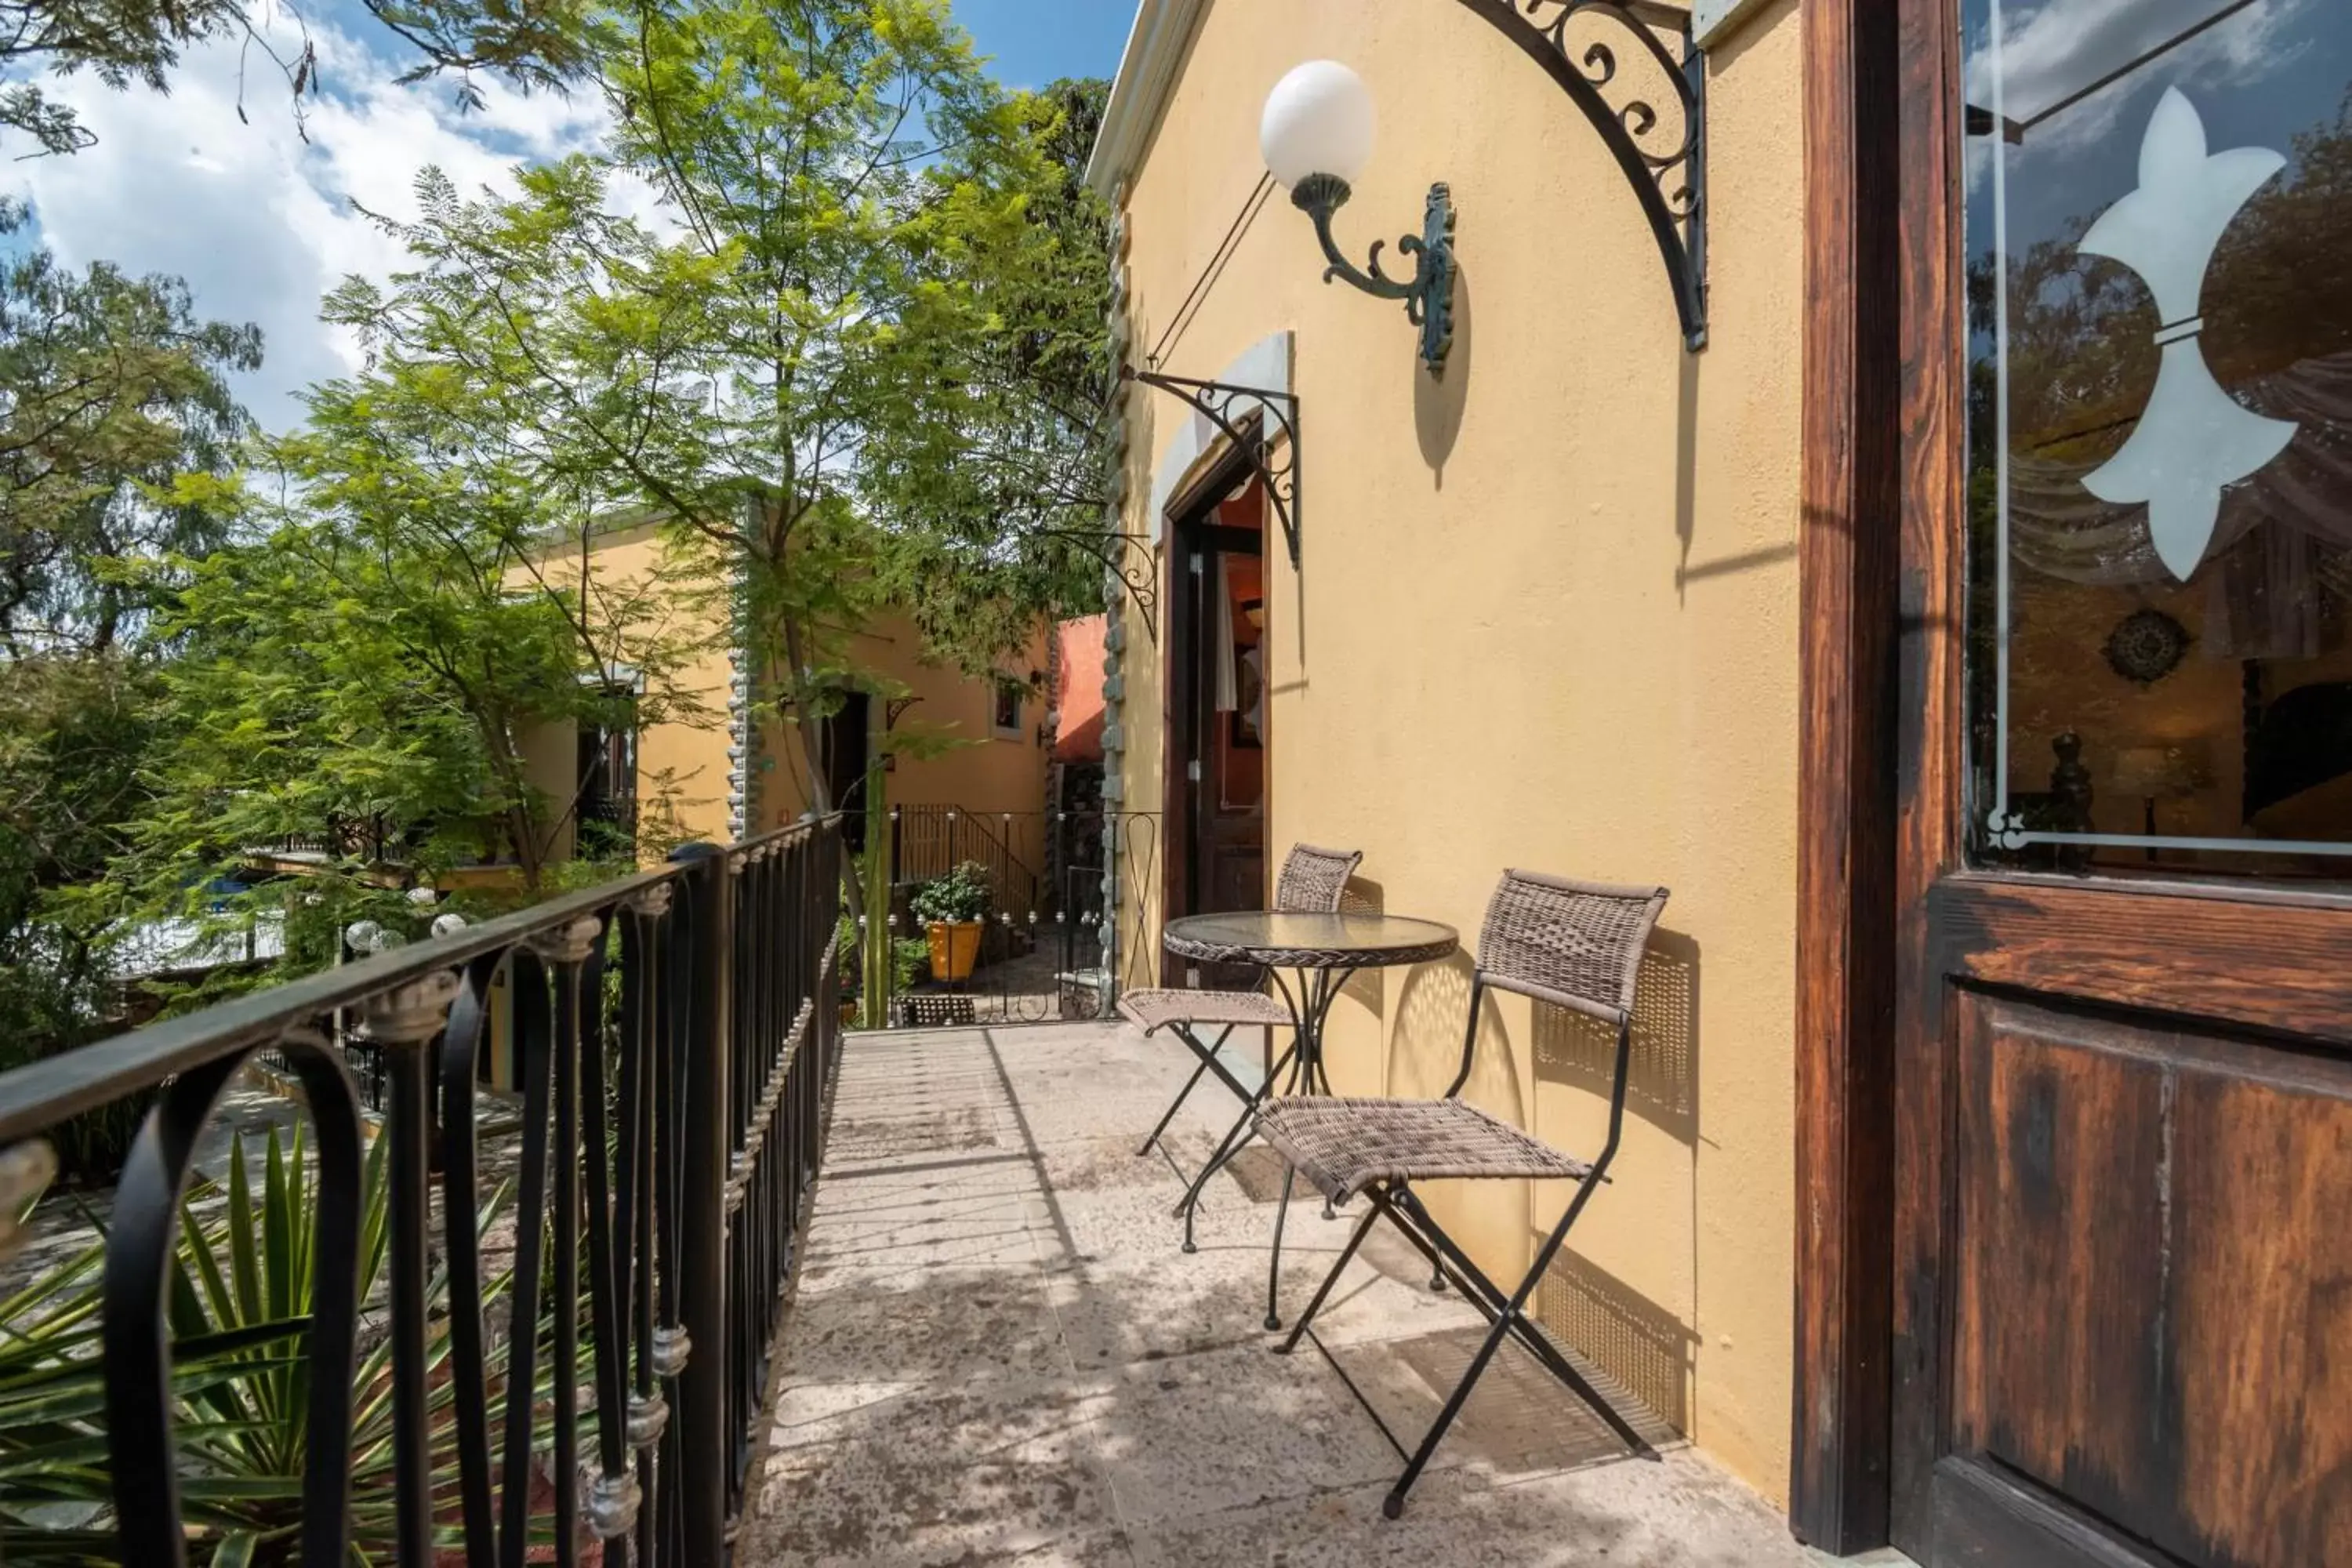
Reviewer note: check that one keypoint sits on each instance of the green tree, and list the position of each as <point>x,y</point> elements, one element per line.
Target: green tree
<point>856,198</point>
<point>404,630</point>
<point>110,386</point>
<point>110,390</point>
<point>74,732</point>
<point>991,471</point>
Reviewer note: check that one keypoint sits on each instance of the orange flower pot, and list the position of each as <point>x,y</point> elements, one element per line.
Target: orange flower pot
<point>955,948</point>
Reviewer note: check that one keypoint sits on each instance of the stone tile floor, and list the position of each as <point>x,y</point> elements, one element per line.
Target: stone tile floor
<point>999,1355</point>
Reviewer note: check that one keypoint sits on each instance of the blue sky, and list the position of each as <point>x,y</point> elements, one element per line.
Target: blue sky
<point>1035,41</point>
<point>261,222</point>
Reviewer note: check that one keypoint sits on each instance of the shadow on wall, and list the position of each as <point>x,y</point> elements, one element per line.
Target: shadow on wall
<point>1438,402</point>
<point>1645,1347</point>
<point>1613,1327</point>
<point>1662,1077</point>
<point>1425,1046</point>
<point>1369,989</point>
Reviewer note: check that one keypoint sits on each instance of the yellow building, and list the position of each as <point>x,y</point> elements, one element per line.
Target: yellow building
<point>1964,642</point>
<point>1543,615</point>
<point>978,745</point>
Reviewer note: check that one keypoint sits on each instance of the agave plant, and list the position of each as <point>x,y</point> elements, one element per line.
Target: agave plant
<point>239,1301</point>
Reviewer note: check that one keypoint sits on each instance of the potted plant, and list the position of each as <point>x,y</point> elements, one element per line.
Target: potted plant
<point>954,912</point>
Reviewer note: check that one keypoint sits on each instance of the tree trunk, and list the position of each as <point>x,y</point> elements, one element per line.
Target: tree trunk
<point>811,739</point>
<point>880,958</point>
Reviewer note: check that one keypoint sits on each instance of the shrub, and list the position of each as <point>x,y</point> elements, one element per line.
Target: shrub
<point>964,894</point>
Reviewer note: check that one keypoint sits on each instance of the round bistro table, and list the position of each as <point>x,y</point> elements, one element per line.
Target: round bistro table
<point>1325,951</point>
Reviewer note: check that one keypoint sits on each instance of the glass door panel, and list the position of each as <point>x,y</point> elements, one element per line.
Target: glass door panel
<point>2159,200</point>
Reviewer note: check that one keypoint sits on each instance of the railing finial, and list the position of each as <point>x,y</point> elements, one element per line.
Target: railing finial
<point>412,1013</point>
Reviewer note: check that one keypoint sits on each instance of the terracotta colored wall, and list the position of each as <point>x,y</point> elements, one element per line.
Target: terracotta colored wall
<point>1547,618</point>
<point>981,771</point>
<point>1079,695</point>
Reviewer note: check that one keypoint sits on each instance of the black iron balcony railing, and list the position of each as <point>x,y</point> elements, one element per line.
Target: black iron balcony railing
<point>674,1036</point>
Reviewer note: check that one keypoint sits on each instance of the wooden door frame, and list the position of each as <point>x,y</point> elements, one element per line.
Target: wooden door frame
<point>1930,760</point>
<point>1875,1167</point>
<point>1183,516</point>
<point>1852,497</point>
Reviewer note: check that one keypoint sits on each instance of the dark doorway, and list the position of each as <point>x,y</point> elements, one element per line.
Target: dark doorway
<point>847,750</point>
<point>605,788</point>
<point>1217,710</point>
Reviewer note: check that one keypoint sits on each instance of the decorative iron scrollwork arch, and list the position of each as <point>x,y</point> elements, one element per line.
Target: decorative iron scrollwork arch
<point>1667,171</point>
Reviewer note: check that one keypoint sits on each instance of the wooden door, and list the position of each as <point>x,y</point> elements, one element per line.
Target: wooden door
<point>1217,752</point>
<point>2123,1258</point>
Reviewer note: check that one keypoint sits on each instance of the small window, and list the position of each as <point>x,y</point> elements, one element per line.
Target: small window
<point>1006,716</point>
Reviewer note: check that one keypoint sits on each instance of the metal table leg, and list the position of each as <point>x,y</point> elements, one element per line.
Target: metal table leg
<point>1310,1071</point>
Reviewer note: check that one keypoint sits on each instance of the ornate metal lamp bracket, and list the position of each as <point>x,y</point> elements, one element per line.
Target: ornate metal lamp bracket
<point>1277,462</point>
<point>1667,171</point>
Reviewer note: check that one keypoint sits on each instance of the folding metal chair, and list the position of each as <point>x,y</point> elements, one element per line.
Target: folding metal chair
<point>1312,882</point>
<point>1573,944</point>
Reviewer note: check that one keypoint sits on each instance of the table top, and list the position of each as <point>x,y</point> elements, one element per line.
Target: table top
<point>1309,942</point>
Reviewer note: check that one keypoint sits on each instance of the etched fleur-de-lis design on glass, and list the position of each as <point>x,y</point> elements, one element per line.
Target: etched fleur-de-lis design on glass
<point>2193,441</point>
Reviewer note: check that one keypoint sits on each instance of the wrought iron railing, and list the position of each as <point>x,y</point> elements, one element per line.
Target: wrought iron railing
<point>673,1038</point>
<point>353,837</point>
<point>929,841</point>
<point>1077,956</point>
<point>1122,940</point>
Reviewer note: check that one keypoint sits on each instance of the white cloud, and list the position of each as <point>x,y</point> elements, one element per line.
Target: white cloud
<point>2051,51</point>
<point>261,223</point>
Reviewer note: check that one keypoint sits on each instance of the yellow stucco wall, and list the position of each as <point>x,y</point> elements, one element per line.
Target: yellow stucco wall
<point>977,768</point>
<point>1546,619</point>
<point>639,581</point>
<point>983,771</point>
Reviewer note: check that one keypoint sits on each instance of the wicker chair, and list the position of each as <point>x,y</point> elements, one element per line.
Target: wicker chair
<point>1573,944</point>
<point>1312,881</point>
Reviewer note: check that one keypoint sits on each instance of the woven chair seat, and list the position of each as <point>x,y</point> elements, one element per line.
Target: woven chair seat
<point>1156,1009</point>
<point>1343,1145</point>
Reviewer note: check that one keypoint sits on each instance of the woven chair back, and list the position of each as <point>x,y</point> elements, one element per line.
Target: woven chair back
<point>1577,945</point>
<point>1313,878</point>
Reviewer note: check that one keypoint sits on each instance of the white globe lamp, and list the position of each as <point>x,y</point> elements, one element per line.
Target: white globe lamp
<point>1319,120</point>
<point>1317,135</point>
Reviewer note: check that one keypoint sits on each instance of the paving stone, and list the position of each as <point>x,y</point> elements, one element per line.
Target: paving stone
<point>999,1355</point>
<point>1683,1513</point>
<point>981,1472</point>
<point>947,1326</point>
<point>1231,1428</point>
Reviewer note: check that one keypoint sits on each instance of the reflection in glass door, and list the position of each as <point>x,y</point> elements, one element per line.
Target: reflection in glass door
<point>2159,490</point>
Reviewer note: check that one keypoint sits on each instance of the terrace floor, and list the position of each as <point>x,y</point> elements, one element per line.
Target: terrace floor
<point>998,1354</point>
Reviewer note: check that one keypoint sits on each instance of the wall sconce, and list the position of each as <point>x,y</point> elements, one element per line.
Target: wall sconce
<point>1317,135</point>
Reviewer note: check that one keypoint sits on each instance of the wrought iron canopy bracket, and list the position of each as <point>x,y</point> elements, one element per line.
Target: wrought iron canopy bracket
<point>1277,462</point>
<point>1129,557</point>
<point>1666,172</point>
